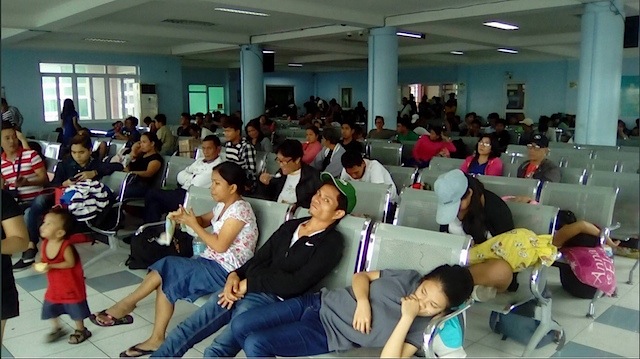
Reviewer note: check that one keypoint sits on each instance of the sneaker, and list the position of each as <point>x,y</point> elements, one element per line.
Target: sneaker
<point>28,258</point>
<point>482,294</point>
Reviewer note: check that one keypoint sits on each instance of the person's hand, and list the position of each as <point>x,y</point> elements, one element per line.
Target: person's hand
<point>126,169</point>
<point>68,183</point>
<point>86,175</point>
<point>362,317</point>
<point>21,137</point>
<point>410,306</point>
<point>21,182</point>
<point>231,291</point>
<point>186,217</point>
<point>265,178</point>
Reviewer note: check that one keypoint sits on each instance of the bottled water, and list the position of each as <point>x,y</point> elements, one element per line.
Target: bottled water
<point>198,247</point>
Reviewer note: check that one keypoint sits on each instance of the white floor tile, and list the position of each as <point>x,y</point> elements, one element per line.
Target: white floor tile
<point>611,339</point>
<point>28,301</point>
<point>478,350</point>
<point>33,345</point>
<point>114,345</point>
<point>477,326</point>
<point>630,300</point>
<point>82,350</point>
<point>28,322</point>
<point>514,348</point>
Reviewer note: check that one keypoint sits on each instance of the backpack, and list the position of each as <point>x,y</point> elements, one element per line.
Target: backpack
<point>145,250</point>
<point>519,325</point>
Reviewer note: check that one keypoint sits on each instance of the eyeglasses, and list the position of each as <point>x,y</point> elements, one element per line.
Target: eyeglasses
<point>283,161</point>
<point>485,144</point>
<point>531,146</point>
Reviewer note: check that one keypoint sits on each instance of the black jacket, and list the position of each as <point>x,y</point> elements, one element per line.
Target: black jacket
<point>547,171</point>
<point>306,188</point>
<point>289,272</point>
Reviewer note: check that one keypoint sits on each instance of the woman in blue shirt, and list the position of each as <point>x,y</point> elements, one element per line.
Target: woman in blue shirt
<point>69,121</point>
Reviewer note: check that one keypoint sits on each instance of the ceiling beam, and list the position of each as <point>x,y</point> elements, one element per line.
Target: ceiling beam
<point>495,8</point>
<point>562,50</point>
<point>549,39</point>
<point>201,48</point>
<point>440,48</point>
<point>311,9</point>
<point>325,47</point>
<point>326,58</point>
<point>303,33</point>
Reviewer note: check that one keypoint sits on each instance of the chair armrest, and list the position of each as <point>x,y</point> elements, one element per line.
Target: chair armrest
<point>147,225</point>
<point>430,331</point>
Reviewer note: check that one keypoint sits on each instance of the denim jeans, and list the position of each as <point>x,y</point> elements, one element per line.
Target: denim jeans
<point>33,218</point>
<point>158,202</point>
<point>289,328</point>
<point>207,320</point>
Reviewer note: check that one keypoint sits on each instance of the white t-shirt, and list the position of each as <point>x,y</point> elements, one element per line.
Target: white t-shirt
<point>197,174</point>
<point>244,245</point>
<point>296,234</point>
<point>288,193</point>
<point>374,172</point>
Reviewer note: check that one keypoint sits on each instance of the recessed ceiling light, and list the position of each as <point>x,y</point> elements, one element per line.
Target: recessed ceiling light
<point>410,34</point>
<point>243,12</point>
<point>294,65</point>
<point>112,41</point>
<point>500,25</point>
<point>268,52</point>
<point>508,51</point>
<point>457,52</point>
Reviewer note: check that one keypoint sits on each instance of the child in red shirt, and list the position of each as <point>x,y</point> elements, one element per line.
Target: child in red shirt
<point>66,292</point>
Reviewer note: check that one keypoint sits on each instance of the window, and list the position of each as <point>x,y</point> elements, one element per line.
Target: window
<point>99,92</point>
<point>206,98</point>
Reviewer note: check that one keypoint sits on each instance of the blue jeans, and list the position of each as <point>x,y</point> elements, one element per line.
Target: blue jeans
<point>207,320</point>
<point>158,202</point>
<point>289,328</point>
<point>33,218</point>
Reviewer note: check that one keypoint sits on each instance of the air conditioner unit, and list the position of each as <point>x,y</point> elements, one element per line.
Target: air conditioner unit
<point>148,101</point>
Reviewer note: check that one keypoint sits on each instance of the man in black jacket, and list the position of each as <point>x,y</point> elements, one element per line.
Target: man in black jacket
<point>294,259</point>
<point>295,182</point>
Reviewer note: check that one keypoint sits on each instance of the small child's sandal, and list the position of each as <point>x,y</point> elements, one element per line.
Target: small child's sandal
<point>56,334</point>
<point>79,336</point>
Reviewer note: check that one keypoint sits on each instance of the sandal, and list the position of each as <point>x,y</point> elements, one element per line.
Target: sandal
<point>127,319</point>
<point>79,336</point>
<point>56,334</point>
<point>138,352</point>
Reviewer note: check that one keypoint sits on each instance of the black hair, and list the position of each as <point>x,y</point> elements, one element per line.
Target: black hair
<point>493,116</point>
<point>68,220</point>
<point>133,119</point>
<point>476,122</point>
<point>6,125</point>
<point>404,121</point>
<point>501,121</point>
<point>351,159</point>
<point>495,146</point>
<point>233,174</point>
<point>456,281</point>
<point>147,120</point>
<point>185,115</point>
<point>4,102</point>
<point>473,222</point>
<point>314,129</point>
<point>543,124</point>
<point>215,139</point>
<point>332,135</point>
<point>83,140</point>
<point>161,118</point>
<point>200,114</point>
<point>153,138</point>
<point>67,107</point>
<point>291,148</point>
<point>438,130</point>
<point>232,122</point>
<point>342,199</point>
<point>255,123</point>
<point>350,124</point>
<point>378,117</point>
<point>470,114</point>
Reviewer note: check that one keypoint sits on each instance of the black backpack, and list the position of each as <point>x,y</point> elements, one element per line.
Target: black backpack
<point>520,325</point>
<point>145,250</point>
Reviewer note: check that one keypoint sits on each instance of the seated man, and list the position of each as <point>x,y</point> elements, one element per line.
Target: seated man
<point>405,134</point>
<point>349,141</point>
<point>295,182</point>
<point>282,268</point>
<point>380,132</point>
<point>358,169</point>
<point>237,148</point>
<point>130,132</point>
<point>159,201</point>
<point>328,159</point>
<point>164,135</point>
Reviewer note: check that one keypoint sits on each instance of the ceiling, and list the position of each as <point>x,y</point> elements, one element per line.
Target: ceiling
<point>322,35</point>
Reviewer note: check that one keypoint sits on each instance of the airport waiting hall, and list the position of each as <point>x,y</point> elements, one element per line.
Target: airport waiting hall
<point>162,160</point>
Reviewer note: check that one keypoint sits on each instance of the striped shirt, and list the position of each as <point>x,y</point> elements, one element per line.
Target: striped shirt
<point>25,165</point>
<point>243,154</point>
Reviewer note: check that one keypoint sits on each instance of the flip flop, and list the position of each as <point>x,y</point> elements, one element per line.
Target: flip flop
<point>127,319</point>
<point>139,352</point>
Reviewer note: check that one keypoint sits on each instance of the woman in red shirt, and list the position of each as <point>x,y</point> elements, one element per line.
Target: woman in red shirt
<point>427,147</point>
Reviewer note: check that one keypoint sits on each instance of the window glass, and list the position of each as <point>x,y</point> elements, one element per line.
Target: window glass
<point>90,69</point>
<point>56,68</point>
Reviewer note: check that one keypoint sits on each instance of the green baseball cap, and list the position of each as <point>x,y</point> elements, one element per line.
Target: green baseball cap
<point>344,187</point>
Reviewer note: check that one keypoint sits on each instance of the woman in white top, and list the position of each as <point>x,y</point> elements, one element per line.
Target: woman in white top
<point>231,243</point>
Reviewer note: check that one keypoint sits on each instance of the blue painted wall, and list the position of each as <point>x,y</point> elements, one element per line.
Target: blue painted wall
<point>22,83</point>
<point>328,85</point>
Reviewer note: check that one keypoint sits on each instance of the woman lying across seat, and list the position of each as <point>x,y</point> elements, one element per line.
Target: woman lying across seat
<point>389,308</point>
<point>232,243</point>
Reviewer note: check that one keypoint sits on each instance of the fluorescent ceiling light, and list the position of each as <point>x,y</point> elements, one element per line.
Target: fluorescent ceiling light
<point>243,12</point>
<point>457,52</point>
<point>508,51</point>
<point>294,65</point>
<point>500,25</point>
<point>268,52</point>
<point>113,41</point>
<point>410,34</point>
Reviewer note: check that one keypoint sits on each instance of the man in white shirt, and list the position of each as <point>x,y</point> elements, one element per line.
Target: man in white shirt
<point>358,169</point>
<point>159,201</point>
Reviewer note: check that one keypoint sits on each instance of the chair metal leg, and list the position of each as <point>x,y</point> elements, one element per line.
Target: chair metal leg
<point>113,248</point>
<point>592,304</point>
<point>547,324</point>
<point>630,281</point>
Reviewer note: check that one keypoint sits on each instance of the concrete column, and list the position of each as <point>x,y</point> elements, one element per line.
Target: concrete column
<point>251,82</point>
<point>383,76</point>
<point>600,73</point>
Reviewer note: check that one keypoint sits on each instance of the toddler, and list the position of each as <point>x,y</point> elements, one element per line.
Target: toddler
<point>66,292</point>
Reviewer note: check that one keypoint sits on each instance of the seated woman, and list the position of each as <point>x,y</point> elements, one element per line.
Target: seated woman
<point>230,245</point>
<point>146,166</point>
<point>427,147</point>
<point>295,182</point>
<point>485,160</point>
<point>389,308</point>
<point>466,207</point>
<point>257,138</point>
<point>312,146</point>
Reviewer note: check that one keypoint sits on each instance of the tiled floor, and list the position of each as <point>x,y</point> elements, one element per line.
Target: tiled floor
<point>614,332</point>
